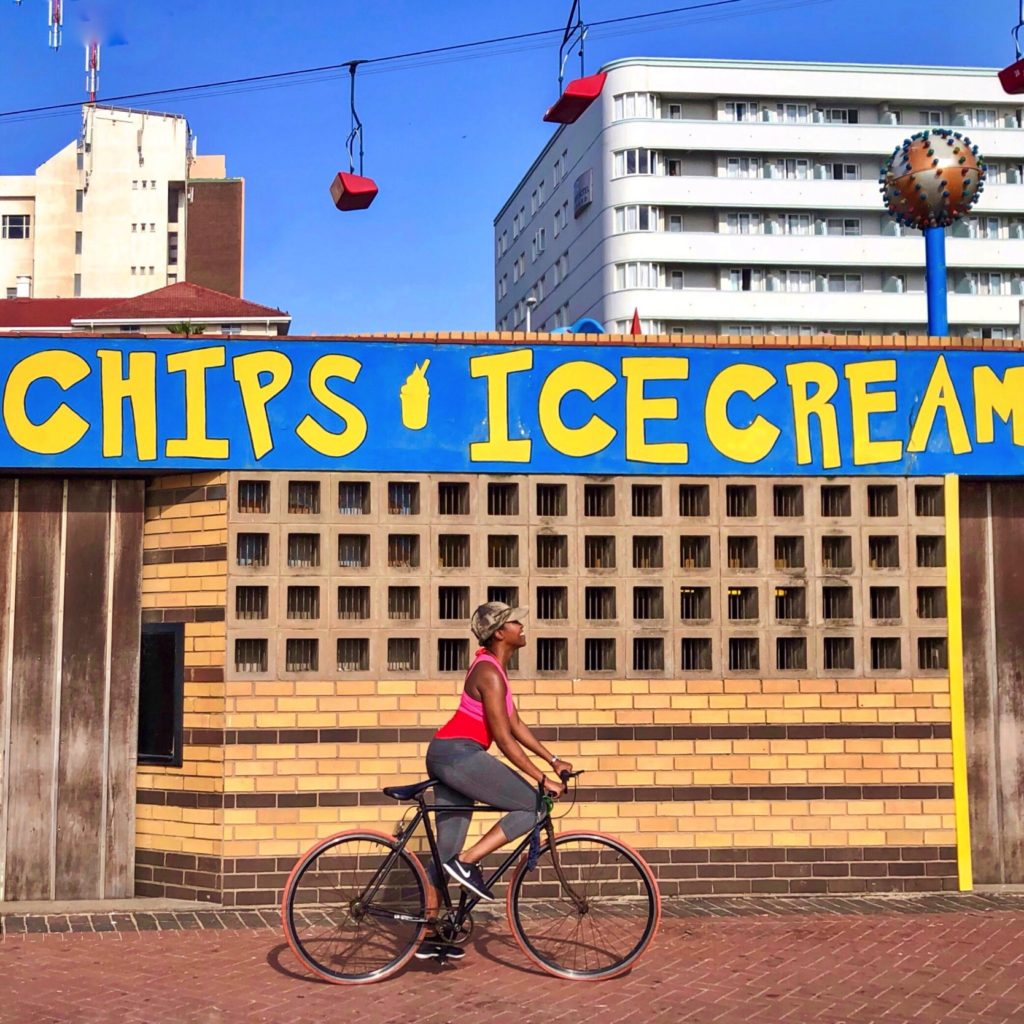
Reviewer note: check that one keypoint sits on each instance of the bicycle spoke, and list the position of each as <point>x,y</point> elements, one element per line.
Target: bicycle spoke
<point>612,927</point>
<point>327,919</point>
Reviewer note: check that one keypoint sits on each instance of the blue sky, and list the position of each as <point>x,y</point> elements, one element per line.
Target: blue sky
<point>446,142</point>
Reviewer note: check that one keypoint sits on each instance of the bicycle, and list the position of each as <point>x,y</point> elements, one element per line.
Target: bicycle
<point>355,905</point>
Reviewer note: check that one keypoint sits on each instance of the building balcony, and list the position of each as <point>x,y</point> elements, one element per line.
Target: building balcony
<point>817,308</point>
<point>886,251</point>
<point>754,137</point>
<point>778,193</point>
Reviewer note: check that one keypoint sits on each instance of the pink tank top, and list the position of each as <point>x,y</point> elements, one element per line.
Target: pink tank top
<point>469,721</point>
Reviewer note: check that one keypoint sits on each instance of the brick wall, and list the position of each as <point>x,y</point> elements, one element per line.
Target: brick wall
<point>727,781</point>
<point>214,242</point>
<point>179,813</point>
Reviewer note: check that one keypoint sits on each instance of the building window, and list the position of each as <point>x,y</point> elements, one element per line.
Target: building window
<point>78,243</point>
<point>635,218</point>
<point>561,272</point>
<point>636,104</point>
<point>841,115</point>
<point>741,110</point>
<point>77,285</point>
<point>161,693</point>
<point>745,279</point>
<point>79,200</point>
<point>16,225</point>
<point>353,654</point>
<point>634,161</point>
<point>636,275</point>
<point>792,113</point>
<point>842,226</point>
<point>743,224</point>
<point>353,551</point>
<point>251,655</point>
<point>743,167</point>
<point>792,168</point>
<point>845,172</point>
<point>845,283</point>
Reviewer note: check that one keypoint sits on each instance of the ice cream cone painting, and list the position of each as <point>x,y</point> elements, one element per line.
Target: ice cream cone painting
<point>415,396</point>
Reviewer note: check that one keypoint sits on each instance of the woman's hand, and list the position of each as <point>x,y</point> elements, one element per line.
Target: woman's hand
<point>553,786</point>
<point>561,766</point>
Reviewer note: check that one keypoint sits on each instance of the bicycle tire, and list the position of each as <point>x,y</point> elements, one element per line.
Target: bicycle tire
<point>622,897</point>
<point>328,935</point>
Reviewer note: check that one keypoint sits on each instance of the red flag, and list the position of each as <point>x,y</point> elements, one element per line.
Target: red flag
<point>635,327</point>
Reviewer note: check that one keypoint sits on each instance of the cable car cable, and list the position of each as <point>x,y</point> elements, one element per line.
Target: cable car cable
<point>283,77</point>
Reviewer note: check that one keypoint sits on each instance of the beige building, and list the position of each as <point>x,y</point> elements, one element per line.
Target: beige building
<point>126,208</point>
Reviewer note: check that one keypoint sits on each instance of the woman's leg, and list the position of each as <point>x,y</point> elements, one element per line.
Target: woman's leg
<point>450,826</point>
<point>485,778</point>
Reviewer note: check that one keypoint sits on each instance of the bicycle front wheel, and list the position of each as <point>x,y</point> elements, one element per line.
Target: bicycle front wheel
<point>354,907</point>
<point>596,920</point>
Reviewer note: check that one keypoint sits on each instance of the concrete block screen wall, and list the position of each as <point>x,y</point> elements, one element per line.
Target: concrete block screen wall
<point>752,672</point>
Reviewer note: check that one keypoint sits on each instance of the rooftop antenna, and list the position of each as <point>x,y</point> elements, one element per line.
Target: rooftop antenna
<point>56,20</point>
<point>92,69</point>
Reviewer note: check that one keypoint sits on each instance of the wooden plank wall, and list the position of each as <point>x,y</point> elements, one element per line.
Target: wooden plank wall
<point>70,571</point>
<point>992,533</point>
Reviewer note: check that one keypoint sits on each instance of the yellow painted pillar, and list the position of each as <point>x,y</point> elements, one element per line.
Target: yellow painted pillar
<point>956,683</point>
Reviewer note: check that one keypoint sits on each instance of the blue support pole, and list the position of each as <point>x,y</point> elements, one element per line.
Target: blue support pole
<point>935,280</point>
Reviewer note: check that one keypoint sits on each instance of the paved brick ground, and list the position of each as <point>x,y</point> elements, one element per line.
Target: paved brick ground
<point>729,961</point>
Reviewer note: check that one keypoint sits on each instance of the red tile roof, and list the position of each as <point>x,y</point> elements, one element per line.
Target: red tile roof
<point>181,301</point>
<point>29,313</point>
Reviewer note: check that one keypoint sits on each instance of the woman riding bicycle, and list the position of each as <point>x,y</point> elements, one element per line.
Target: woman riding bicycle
<point>458,758</point>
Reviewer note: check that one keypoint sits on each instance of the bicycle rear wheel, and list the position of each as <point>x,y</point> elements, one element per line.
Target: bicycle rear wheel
<point>354,907</point>
<point>603,931</point>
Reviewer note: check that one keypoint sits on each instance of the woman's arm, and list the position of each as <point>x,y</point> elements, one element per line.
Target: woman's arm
<point>492,694</point>
<point>524,735</point>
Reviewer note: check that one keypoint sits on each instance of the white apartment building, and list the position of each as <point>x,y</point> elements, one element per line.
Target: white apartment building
<point>742,197</point>
<point>112,213</point>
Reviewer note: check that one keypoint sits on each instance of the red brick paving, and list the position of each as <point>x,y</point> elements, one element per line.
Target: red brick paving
<point>952,968</point>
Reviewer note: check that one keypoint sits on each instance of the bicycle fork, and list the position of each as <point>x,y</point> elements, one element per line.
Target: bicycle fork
<point>579,902</point>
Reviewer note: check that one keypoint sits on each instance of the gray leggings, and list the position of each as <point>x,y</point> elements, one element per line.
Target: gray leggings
<point>467,772</point>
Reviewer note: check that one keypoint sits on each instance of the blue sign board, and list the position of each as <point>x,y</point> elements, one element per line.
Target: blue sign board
<point>110,404</point>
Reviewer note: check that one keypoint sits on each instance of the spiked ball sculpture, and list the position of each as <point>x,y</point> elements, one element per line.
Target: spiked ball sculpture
<point>931,180</point>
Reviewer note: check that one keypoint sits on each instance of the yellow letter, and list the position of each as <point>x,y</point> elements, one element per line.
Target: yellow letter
<point>940,394</point>
<point>595,435</point>
<point>496,368</point>
<point>863,403</point>
<point>741,444</point>
<point>639,409</point>
<point>799,376</point>
<point>1003,398</point>
<point>139,387</point>
<point>255,396</point>
<point>195,444</point>
<point>64,428</point>
<point>319,438</point>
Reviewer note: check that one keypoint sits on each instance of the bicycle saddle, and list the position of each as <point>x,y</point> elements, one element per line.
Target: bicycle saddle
<point>408,792</point>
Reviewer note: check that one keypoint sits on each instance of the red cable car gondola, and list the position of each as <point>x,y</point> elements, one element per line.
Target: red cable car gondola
<point>1012,78</point>
<point>351,191</point>
<point>582,91</point>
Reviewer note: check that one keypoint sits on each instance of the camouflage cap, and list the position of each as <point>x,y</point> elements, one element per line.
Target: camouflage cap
<point>490,617</point>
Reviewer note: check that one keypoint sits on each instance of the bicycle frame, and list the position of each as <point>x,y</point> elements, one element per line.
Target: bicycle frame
<point>466,902</point>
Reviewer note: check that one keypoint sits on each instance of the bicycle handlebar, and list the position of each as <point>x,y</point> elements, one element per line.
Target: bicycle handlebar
<point>564,776</point>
